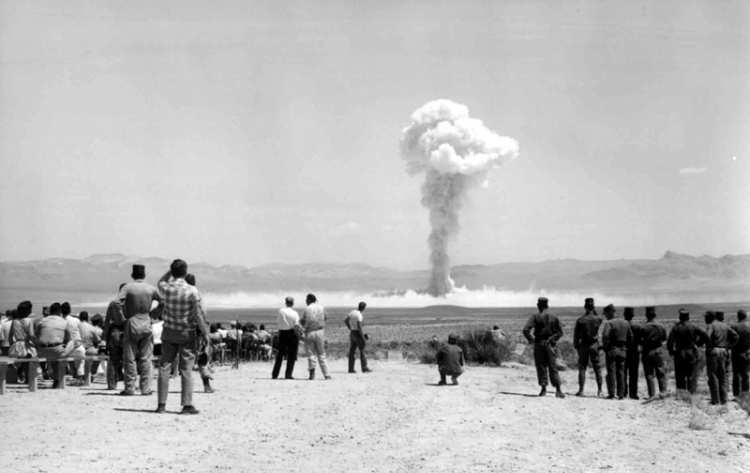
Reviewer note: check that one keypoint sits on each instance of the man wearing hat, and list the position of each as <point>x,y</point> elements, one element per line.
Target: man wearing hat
<point>586,343</point>
<point>721,338</point>
<point>682,343</point>
<point>547,331</point>
<point>616,336</point>
<point>632,357</point>
<point>741,355</point>
<point>652,338</point>
<point>450,360</point>
<point>138,344</point>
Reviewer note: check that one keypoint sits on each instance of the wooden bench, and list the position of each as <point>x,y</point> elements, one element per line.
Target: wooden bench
<point>31,366</point>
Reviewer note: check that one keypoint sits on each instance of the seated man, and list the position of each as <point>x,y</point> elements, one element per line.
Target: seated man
<point>450,360</point>
<point>56,338</point>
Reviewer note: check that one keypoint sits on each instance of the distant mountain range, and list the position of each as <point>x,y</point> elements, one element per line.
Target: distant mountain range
<point>726,276</point>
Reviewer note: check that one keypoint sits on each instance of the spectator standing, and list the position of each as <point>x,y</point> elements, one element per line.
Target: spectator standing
<point>287,320</point>
<point>354,321</point>
<point>314,321</point>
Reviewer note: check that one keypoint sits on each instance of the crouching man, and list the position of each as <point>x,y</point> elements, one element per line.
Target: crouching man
<point>450,360</point>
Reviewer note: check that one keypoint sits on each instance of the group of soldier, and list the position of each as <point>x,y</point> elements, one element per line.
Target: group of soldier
<point>625,342</point>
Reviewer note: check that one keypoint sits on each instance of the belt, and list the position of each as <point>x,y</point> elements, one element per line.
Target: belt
<point>49,345</point>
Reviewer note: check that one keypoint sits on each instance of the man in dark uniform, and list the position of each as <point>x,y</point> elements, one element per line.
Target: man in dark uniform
<point>587,345</point>
<point>632,358</point>
<point>652,337</point>
<point>112,334</point>
<point>682,343</point>
<point>616,336</point>
<point>741,355</point>
<point>721,338</point>
<point>547,331</point>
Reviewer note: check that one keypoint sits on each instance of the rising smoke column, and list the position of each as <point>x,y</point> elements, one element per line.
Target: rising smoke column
<point>456,153</point>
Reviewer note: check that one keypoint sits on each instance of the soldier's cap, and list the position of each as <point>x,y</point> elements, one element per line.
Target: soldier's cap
<point>589,300</point>
<point>741,314</point>
<point>650,311</point>
<point>683,311</point>
<point>610,309</point>
<point>628,312</point>
<point>542,300</point>
<point>452,338</point>
<point>139,271</point>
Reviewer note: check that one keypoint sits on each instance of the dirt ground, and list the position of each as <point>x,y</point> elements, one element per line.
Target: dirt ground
<point>392,420</point>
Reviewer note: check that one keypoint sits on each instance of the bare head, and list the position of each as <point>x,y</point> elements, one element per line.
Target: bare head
<point>289,301</point>
<point>361,306</point>
<point>610,311</point>
<point>178,269</point>
<point>190,279</point>
<point>588,304</point>
<point>741,315</point>
<point>311,299</point>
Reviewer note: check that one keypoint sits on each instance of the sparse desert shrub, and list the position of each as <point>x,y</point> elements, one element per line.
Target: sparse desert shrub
<point>481,347</point>
<point>567,353</point>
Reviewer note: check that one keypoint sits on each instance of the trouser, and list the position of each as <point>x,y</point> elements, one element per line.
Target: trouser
<point>288,346</point>
<point>77,366</point>
<point>316,353</point>
<point>53,367</point>
<point>717,364</point>
<point>685,364</point>
<point>357,342</point>
<point>586,355</point>
<point>616,372</point>
<point>114,350</point>
<point>544,359</point>
<point>740,372</point>
<point>169,352</point>
<point>631,373</point>
<point>137,353</point>
<point>653,367</point>
<point>443,373</point>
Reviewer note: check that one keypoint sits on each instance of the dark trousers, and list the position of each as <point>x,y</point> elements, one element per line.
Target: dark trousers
<point>115,365</point>
<point>288,346</point>
<point>443,373</point>
<point>586,355</point>
<point>544,359</point>
<point>653,367</point>
<point>740,372</point>
<point>685,363</point>
<point>616,372</point>
<point>631,373</point>
<point>717,364</point>
<point>357,342</point>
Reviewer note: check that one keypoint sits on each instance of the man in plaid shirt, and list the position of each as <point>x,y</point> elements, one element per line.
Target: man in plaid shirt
<point>181,317</point>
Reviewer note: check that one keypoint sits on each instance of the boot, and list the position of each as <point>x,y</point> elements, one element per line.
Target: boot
<point>543,392</point>
<point>312,374</point>
<point>207,385</point>
<point>581,382</point>
<point>559,393</point>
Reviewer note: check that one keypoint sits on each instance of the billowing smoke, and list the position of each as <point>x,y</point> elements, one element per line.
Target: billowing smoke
<point>456,152</point>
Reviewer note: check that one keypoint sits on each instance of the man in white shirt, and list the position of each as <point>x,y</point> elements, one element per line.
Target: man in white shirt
<point>286,320</point>
<point>314,322</point>
<point>353,322</point>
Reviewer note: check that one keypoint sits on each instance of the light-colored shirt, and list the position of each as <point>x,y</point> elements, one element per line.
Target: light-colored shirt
<point>5,331</point>
<point>313,317</point>
<point>354,317</point>
<point>138,296</point>
<point>287,318</point>
<point>156,329</point>
<point>53,329</point>
<point>90,338</point>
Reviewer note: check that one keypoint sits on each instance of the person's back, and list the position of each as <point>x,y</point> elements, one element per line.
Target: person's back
<point>287,318</point>
<point>314,317</point>
<point>180,308</point>
<point>89,336</point>
<point>586,329</point>
<point>685,336</point>
<point>652,335</point>
<point>546,327</point>
<point>52,330</point>
<point>138,296</point>
<point>742,329</point>
<point>721,335</point>
<point>619,334</point>
<point>450,358</point>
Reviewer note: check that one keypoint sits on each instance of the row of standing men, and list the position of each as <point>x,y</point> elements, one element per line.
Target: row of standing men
<point>625,342</point>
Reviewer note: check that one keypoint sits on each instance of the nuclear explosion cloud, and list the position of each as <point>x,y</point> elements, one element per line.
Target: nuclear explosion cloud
<point>456,152</point>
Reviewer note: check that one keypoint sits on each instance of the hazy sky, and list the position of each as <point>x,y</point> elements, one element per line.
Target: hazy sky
<point>252,132</point>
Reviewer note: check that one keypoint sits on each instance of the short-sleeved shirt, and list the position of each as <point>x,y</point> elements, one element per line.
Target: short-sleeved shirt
<point>287,318</point>
<point>138,296</point>
<point>90,338</point>
<point>52,330</point>
<point>181,308</point>
<point>354,317</point>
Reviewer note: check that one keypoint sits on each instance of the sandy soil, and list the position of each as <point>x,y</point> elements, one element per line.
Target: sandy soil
<point>392,420</point>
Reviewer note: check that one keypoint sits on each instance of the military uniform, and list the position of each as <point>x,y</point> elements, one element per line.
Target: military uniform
<point>652,337</point>
<point>616,335</point>
<point>741,358</point>
<point>683,342</point>
<point>721,338</point>
<point>632,357</point>
<point>586,344</point>
<point>547,331</point>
